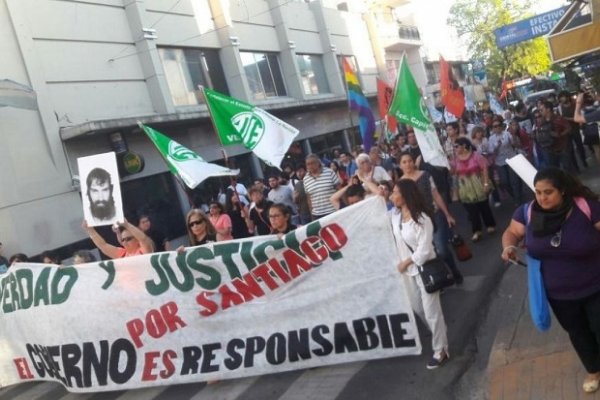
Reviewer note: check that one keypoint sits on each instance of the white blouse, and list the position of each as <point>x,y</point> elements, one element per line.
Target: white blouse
<point>419,236</point>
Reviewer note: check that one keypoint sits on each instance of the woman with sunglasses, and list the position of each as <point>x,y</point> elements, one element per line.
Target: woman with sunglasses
<point>473,186</point>
<point>133,240</point>
<point>199,228</point>
<point>561,228</point>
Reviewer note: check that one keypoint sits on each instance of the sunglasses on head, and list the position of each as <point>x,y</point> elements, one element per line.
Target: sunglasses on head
<point>194,223</point>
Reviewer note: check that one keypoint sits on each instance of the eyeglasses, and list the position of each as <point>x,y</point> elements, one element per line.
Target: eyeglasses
<point>127,239</point>
<point>276,216</point>
<point>194,223</point>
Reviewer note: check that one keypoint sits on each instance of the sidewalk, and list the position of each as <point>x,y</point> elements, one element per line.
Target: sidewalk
<point>525,363</point>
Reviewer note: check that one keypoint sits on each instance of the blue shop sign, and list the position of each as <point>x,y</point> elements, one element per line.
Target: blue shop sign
<point>528,28</point>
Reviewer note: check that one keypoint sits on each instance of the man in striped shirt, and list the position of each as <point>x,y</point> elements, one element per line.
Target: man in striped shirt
<point>319,183</point>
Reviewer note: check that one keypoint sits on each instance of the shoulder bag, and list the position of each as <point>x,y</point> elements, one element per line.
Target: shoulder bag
<point>435,273</point>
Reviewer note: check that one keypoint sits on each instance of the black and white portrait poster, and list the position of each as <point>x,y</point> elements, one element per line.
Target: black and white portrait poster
<point>100,189</point>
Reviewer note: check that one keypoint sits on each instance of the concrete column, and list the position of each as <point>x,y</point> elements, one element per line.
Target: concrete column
<point>287,56</point>
<point>378,51</point>
<point>149,58</point>
<point>330,60</point>
<point>306,147</point>
<point>230,54</point>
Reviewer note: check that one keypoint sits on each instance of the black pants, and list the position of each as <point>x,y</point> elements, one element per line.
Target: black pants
<point>581,319</point>
<point>477,211</point>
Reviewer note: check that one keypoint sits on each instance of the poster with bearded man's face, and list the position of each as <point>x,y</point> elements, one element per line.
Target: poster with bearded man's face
<point>100,189</point>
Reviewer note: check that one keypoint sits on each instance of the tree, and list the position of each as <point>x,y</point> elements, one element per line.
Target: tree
<point>477,20</point>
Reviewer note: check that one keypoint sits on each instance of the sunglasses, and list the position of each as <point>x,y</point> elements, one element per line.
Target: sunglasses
<point>127,239</point>
<point>194,223</point>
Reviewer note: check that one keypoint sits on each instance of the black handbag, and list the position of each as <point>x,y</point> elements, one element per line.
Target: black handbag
<point>436,275</point>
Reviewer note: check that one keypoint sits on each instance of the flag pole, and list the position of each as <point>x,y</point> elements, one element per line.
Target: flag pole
<point>212,121</point>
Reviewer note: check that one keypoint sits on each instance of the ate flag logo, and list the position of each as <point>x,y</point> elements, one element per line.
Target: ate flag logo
<point>180,153</point>
<point>250,127</point>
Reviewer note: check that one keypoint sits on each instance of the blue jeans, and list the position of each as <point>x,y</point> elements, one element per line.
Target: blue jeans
<point>441,238</point>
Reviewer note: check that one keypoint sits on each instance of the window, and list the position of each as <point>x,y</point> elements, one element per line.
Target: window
<point>263,74</point>
<point>187,69</point>
<point>314,80</point>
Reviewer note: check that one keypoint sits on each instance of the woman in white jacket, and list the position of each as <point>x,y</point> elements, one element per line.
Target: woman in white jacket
<point>413,231</point>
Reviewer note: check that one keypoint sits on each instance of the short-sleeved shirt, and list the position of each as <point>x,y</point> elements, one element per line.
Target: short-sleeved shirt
<point>261,220</point>
<point>320,188</point>
<point>122,253</point>
<point>284,195</point>
<point>223,221</point>
<point>572,270</point>
<point>502,146</point>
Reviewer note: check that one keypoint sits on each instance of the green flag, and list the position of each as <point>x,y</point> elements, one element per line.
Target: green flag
<point>183,162</point>
<point>409,108</point>
<point>237,122</point>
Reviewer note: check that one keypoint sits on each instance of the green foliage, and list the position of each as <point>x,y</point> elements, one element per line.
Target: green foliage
<point>476,20</point>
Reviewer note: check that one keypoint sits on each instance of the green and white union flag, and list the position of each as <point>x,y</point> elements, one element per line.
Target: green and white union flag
<point>183,162</point>
<point>257,130</point>
<point>409,108</point>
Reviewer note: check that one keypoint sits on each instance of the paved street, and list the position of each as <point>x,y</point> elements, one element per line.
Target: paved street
<point>404,377</point>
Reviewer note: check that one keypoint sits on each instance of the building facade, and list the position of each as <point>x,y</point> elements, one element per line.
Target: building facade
<point>100,66</point>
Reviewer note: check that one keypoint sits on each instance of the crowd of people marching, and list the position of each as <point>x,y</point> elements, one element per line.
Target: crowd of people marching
<point>555,132</point>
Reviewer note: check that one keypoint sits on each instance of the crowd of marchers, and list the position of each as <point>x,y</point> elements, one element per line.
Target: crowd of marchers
<point>558,132</point>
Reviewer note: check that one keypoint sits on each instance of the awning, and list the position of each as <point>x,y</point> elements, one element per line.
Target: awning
<point>577,33</point>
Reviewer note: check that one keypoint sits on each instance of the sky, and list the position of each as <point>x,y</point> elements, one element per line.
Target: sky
<point>431,16</point>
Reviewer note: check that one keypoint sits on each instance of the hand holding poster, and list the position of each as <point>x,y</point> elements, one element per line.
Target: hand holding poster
<point>323,294</point>
<point>100,189</point>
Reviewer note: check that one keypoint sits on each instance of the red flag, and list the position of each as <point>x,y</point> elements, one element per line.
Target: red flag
<point>452,95</point>
<point>384,98</point>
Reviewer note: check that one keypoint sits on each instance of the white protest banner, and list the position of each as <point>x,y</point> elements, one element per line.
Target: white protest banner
<point>523,168</point>
<point>326,293</point>
<point>100,189</point>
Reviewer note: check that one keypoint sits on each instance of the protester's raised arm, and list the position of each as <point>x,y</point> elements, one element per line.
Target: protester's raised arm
<point>108,249</point>
<point>146,244</point>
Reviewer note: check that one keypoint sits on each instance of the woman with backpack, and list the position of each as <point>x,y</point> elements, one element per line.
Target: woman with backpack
<point>561,228</point>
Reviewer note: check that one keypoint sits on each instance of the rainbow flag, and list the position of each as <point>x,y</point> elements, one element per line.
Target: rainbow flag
<point>358,102</point>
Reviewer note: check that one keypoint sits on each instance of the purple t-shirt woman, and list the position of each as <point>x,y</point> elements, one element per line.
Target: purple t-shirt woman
<point>572,270</point>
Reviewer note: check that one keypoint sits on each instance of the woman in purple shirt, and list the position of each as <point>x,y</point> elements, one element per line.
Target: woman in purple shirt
<point>562,229</point>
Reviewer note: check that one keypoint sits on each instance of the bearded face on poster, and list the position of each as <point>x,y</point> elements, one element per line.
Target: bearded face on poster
<point>101,193</point>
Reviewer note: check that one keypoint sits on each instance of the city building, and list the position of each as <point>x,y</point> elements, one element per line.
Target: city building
<point>100,66</point>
